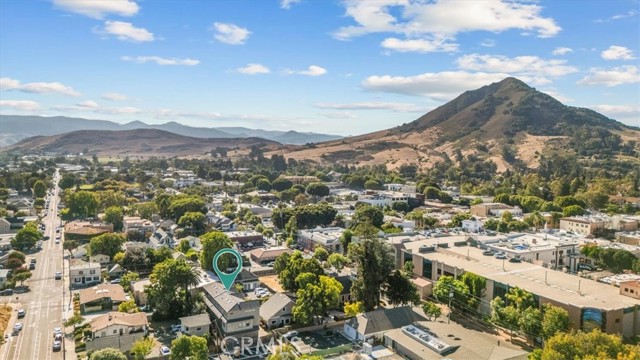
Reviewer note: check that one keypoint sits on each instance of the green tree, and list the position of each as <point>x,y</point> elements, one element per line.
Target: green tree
<point>519,298</point>
<point>108,354</point>
<point>408,268</point>
<point>315,299</point>
<point>185,204</point>
<point>39,189</point>
<point>212,242</point>
<point>281,184</point>
<point>195,221</point>
<point>74,320</point>
<point>431,310</point>
<point>114,215</point>
<point>22,277</point>
<point>368,214</point>
<point>399,290</point>
<point>141,348</point>
<point>554,320</point>
<point>285,352</point>
<point>573,210</point>
<point>128,306</point>
<point>180,348</point>
<point>184,246</point>
<point>70,245</point>
<point>321,253</point>
<point>345,239</point>
<point>127,279</point>
<point>107,244</point>
<point>17,255</point>
<point>506,316</point>
<point>457,219</point>
<point>530,322</point>
<point>586,345</point>
<point>374,262</point>
<point>168,293</point>
<point>82,204</point>
<point>263,184</point>
<point>477,286</point>
<point>352,309</point>
<point>26,238</point>
<point>289,267</point>
<point>317,189</point>
<point>447,284</point>
<point>13,263</point>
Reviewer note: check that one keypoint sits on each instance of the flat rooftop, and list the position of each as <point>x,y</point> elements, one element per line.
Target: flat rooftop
<point>559,286</point>
<point>470,344</point>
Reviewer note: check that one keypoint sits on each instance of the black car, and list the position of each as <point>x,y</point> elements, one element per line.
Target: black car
<point>515,260</point>
<point>6,292</point>
<point>488,253</point>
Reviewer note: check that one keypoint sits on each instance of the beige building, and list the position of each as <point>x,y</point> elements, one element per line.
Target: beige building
<point>582,225</point>
<point>494,209</point>
<point>117,330</point>
<point>5,226</point>
<point>138,289</point>
<point>631,289</point>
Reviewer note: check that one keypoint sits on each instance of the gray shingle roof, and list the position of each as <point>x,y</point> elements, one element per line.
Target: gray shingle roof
<point>384,319</point>
<point>274,305</point>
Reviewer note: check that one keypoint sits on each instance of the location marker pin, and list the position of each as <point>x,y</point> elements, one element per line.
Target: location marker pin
<point>227,279</point>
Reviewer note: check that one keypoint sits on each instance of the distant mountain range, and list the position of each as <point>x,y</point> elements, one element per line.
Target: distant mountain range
<point>14,128</point>
<point>503,122</point>
<point>136,142</point>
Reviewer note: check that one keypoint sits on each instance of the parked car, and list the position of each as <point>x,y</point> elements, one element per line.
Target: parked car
<point>500,256</point>
<point>165,351</point>
<point>18,326</point>
<point>176,328</point>
<point>57,337</point>
<point>21,313</point>
<point>57,346</point>
<point>488,253</point>
<point>290,334</point>
<point>32,266</point>
<point>58,275</point>
<point>57,331</point>
<point>6,292</point>
<point>115,281</point>
<point>515,260</point>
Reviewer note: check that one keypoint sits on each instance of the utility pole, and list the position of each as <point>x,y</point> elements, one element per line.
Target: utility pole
<point>450,298</point>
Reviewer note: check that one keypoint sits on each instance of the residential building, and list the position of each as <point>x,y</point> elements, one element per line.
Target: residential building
<point>494,209</point>
<point>117,330</point>
<point>84,273</point>
<point>265,256</point>
<point>5,226</point>
<point>384,198</point>
<point>590,304</point>
<point>138,290</point>
<point>631,289</point>
<point>83,231</point>
<point>328,238</point>
<point>622,223</point>
<point>4,275</point>
<point>472,225</point>
<point>295,179</point>
<point>233,314</point>
<point>221,222</point>
<point>101,259</point>
<point>195,325</point>
<point>101,297</point>
<point>246,239</point>
<point>248,280</point>
<point>629,238</point>
<point>161,238</point>
<point>277,311</point>
<point>540,249</point>
<point>584,225</point>
<point>138,226</point>
<point>373,324</point>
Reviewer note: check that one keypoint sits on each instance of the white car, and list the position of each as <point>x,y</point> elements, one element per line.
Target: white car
<point>18,326</point>
<point>165,351</point>
<point>57,331</point>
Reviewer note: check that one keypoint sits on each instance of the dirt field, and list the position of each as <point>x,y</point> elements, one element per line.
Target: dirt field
<point>5,316</point>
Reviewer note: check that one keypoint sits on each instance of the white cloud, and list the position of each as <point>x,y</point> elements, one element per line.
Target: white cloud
<point>253,69</point>
<point>441,86</point>
<point>312,70</point>
<point>37,87</point>
<point>629,114</point>
<point>419,45</point>
<point>532,67</point>
<point>488,43</point>
<point>561,51</point>
<point>21,105</point>
<point>615,52</point>
<point>161,61</point>
<point>286,4</point>
<point>114,97</point>
<point>230,33</point>
<point>339,115</point>
<point>628,14</point>
<point>98,9</point>
<point>423,20</point>
<point>126,31</point>
<point>88,104</point>
<point>612,77</point>
<point>392,106</point>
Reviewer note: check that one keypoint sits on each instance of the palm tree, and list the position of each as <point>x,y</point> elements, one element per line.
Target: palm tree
<point>537,220</point>
<point>190,276</point>
<point>519,298</point>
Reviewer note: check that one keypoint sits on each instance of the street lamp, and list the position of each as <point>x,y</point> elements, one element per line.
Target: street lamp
<point>450,298</point>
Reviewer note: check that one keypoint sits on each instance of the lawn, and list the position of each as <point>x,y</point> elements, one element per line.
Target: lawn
<point>5,315</point>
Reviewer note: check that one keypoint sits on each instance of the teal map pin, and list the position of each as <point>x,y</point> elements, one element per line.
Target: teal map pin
<point>227,279</point>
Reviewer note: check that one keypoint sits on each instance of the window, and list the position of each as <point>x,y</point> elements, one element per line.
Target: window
<point>115,331</point>
<point>284,309</point>
<point>198,328</point>
<point>626,290</point>
<point>80,272</point>
<point>92,272</point>
<point>103,333</point>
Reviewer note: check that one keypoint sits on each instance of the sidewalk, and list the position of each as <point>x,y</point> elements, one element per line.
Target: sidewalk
<point>67,312</point>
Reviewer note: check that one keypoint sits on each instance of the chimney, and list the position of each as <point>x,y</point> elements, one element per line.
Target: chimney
<point>110,317</point>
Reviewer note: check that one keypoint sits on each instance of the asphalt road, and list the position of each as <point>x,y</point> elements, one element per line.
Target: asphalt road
<point>44,303</point>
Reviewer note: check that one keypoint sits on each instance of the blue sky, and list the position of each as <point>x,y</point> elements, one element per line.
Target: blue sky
<point>342,67</point>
